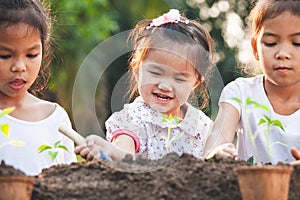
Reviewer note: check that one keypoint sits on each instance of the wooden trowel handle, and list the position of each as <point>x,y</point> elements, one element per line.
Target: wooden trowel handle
<point>73,135</point>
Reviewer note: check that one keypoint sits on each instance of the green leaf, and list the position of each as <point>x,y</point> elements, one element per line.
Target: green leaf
<point>56,144</point>
<point>63,147</point>
<point>264,107</point>
<point>5,129</point>
<point>44,147</point>
<point>237,99</point>
<point>251,160</point>
<point>261,121</point>
<point>268,119</point>
<point>164,116</point>
<point>53,155</point>
<point>278,124</point>
<point>176,120</point>
<point>6,111</point>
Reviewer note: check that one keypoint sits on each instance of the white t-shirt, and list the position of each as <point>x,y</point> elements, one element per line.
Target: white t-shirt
<point>147,125</point>
<point>34,134</point>
<point>253,87</point>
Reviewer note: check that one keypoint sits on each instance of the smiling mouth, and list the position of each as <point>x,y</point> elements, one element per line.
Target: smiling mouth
<point>162,97</point>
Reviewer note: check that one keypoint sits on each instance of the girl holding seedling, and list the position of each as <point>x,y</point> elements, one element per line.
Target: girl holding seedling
<point>264,110</point>
<point>170,59</point>
<point>24,54</point>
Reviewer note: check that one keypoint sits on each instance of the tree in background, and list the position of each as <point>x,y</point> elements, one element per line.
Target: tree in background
<point>82,25</point>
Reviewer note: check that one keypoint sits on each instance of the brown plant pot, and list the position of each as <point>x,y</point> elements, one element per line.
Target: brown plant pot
<point>16,187</point>
<point>264,182</point>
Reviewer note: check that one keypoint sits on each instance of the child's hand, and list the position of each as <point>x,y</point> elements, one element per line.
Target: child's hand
<point>95,146</point>
<point>296,153</point>
<point>90,148</point>
<point>223,151</point>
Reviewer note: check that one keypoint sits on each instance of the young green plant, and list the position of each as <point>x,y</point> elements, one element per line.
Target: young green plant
<point>52,150</point>
<point>172,122</point>
<point>265,120</point>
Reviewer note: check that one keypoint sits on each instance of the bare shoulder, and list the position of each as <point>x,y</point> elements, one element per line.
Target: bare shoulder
<point>45,108</point>
<point>34,109</point>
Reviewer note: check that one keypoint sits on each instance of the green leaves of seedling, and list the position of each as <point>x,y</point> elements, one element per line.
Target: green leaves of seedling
<point>265,120</point>
<point>171,121</point>
<point>269,122</point>
<point>52,150</point>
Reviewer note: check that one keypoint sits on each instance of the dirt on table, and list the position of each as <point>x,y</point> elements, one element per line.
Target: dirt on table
<point>185,177</point>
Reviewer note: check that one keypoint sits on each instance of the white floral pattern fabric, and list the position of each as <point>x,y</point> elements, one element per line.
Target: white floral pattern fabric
<point>149,127</point>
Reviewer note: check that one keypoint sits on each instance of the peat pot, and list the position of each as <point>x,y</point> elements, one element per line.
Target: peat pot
<point>264,182</point>
<point>16,187</point>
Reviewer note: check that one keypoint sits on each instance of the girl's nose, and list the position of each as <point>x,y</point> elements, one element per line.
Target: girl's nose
<point>18,66</point>
<point>283,54</point>
<point>165,86</point>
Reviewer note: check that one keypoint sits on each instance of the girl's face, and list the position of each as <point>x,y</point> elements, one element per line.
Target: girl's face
<point>20,59</point>
<point>165,81</point>
<point>277,48</point>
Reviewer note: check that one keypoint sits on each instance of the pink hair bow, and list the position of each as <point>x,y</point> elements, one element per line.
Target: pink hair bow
<point>173,16</point>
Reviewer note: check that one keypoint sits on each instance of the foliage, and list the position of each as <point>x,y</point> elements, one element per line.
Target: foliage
<point>81,25</point>
<point>52,150</point>
<point>171,122</point>
<point>78,27</point>
<point>266,121</point>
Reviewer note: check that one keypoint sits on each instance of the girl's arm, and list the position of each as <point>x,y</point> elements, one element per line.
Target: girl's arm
<point>121,146</point>
<point>220,140</point>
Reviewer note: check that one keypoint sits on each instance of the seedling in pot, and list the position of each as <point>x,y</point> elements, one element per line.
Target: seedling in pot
<point>172,122</point>
<point>264,121</point>
<point>52,150</point>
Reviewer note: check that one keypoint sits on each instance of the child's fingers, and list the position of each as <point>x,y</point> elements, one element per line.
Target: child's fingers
<point>94,154</point>
<point>296,153</point>
<point>230,151</point>
<point>79,148</point>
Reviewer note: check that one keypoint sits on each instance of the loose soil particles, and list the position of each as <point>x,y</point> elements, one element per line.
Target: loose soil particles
<point>169,178</point>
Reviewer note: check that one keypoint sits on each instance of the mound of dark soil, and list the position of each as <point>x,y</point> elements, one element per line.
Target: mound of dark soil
<point>170,178</point>
<point>184,178</point>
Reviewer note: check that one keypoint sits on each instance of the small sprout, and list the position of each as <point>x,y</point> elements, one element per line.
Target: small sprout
<point>52,150</point>
<point>265,120</point>
<point>171,121</point>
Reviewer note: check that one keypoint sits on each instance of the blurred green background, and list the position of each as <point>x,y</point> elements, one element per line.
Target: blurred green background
<point>79,26</point>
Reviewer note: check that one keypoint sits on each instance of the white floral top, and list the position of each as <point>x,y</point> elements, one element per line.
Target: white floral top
<point>147,124</point>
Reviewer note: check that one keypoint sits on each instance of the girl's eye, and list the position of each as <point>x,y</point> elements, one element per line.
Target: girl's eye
<point>269,44</point>
<point>31,55</point>
<point>4,57</point>
<point>155,73</point>
<point>180,79</point>
<point>296,44</point>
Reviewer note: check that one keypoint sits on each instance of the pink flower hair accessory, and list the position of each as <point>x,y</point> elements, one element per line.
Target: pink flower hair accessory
<point>173,16</point>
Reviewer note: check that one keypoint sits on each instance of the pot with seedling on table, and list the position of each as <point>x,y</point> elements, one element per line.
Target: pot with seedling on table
<point>262,181</point>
